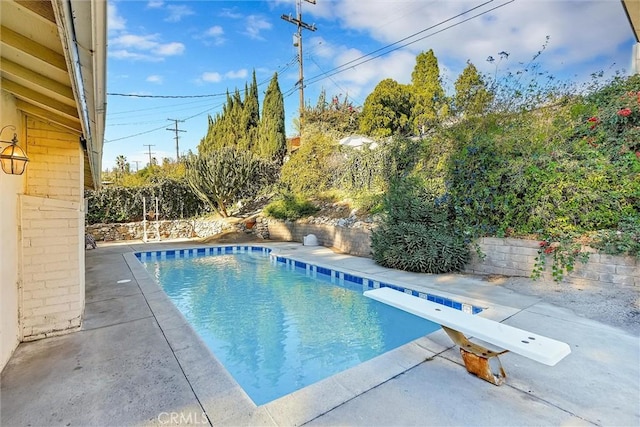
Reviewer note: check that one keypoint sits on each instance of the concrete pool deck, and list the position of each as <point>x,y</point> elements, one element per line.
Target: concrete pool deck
<point>137,362</point>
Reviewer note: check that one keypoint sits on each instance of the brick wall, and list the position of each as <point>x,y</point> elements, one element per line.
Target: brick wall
<point>52,234</point>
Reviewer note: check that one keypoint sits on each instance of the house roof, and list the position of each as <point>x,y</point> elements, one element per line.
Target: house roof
<point>632,8</point>
<point>53,61</point>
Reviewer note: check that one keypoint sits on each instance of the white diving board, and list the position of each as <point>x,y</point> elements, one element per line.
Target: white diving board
<point>458,325</point>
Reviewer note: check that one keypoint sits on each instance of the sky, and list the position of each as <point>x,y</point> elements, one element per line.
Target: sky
<point>171,62</point>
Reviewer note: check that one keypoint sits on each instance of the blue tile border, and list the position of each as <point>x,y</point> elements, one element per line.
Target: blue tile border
<point>347,277</point>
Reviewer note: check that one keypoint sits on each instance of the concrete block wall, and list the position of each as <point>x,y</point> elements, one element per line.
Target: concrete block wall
<point>52,233</point>
<point>515,257</point>
<point>354,241</point>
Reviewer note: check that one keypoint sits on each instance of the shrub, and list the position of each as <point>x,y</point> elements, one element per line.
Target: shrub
<point>115,203</point>
<point>311,169</point>
<point>290,208</point>
<point>225,176</point>
<point>418,233</point>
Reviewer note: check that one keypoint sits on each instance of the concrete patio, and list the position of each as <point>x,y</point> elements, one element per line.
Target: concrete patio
<point>137,362</point>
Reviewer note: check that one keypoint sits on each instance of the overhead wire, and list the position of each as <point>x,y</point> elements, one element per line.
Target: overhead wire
<point>368,57</point>
<point>280,69</point>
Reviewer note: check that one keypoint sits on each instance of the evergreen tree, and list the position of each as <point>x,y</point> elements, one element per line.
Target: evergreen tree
<point>387,110</point>
<point>472,97</point>
<point>250,116</point>
<point>429,98</point>
<point>272,140</point>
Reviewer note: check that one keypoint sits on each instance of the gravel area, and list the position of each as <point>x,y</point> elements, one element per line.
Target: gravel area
<point>615,305</point>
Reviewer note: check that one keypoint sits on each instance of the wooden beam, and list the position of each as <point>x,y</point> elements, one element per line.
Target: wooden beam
<point>35,97</point>
<point>18,71</point>
<point>49,116</point>
<point>28,46</point>
<point>42,8</point>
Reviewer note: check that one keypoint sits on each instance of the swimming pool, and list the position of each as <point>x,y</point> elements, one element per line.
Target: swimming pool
<point>278,324</point>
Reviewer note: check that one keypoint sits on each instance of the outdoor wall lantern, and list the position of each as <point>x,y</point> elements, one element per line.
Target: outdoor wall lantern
<point>13,159</point>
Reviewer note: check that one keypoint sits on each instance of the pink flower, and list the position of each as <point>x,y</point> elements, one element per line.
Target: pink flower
<point>625,112</point>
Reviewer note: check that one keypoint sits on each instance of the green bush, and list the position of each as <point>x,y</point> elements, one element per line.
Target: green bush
<point>311,169</point>
<point>418,232</point>
<point>115,203</point>
<point>290,208</point>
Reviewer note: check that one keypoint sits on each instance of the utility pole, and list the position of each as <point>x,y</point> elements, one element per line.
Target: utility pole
<point>176,130</point>
<point>136,162</point>
<point>297,41</point>
<point>150,153</point>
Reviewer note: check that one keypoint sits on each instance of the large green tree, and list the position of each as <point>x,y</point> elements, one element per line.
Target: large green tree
<point>272,139</point>
<point>430,103</point>
<point>387,110</point>
<point>472,96</point>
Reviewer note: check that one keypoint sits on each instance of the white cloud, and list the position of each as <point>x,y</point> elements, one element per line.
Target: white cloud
<point>254,25</point>
<point>215,31</point>
<point>133,56</point>
<point>154,78</point>
<point>239,74</point>
<point>519,28</point>
<point>155,4</point>
<point>214,34</point>
<point>169,49</point>
<point>133,41</point>
<point>211,77</point>
<point>177,12</point>
<point>143,48</point>
<point>229,13</point>
<point>115,22</point>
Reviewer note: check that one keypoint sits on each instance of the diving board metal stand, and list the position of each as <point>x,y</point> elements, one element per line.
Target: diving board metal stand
<point>477,358</point>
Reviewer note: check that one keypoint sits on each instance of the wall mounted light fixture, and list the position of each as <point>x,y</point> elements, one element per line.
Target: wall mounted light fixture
<point>13,159</point>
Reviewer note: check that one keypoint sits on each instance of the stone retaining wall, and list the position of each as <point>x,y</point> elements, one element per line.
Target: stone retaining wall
<point>176,229</point>
<point>508,257</point>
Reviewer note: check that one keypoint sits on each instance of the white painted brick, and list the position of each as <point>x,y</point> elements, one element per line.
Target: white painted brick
<point>70,283</point>
<point>50,223</point>
<point>62,232</point>
<point>32,303</point>
<point>50,309</point>
<point>48,293</point>
<point>62,299</point>
<point>76,306</point>
<point>51,275</point>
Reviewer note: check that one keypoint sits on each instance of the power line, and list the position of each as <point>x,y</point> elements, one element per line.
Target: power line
<point>135,95</point>
<point>150,153</point>
<point>365,58</point>
<point>298,42</point>
<point>176,130</point>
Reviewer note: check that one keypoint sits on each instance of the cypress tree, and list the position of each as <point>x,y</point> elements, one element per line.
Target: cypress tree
<point>272,141</point>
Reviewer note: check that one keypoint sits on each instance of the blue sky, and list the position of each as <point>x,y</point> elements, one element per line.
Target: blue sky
<point>171,49</point>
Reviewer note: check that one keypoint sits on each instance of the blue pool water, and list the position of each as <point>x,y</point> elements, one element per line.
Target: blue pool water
<point>275,327</point>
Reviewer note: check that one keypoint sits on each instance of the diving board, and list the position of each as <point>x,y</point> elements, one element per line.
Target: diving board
<point>458,325</point>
